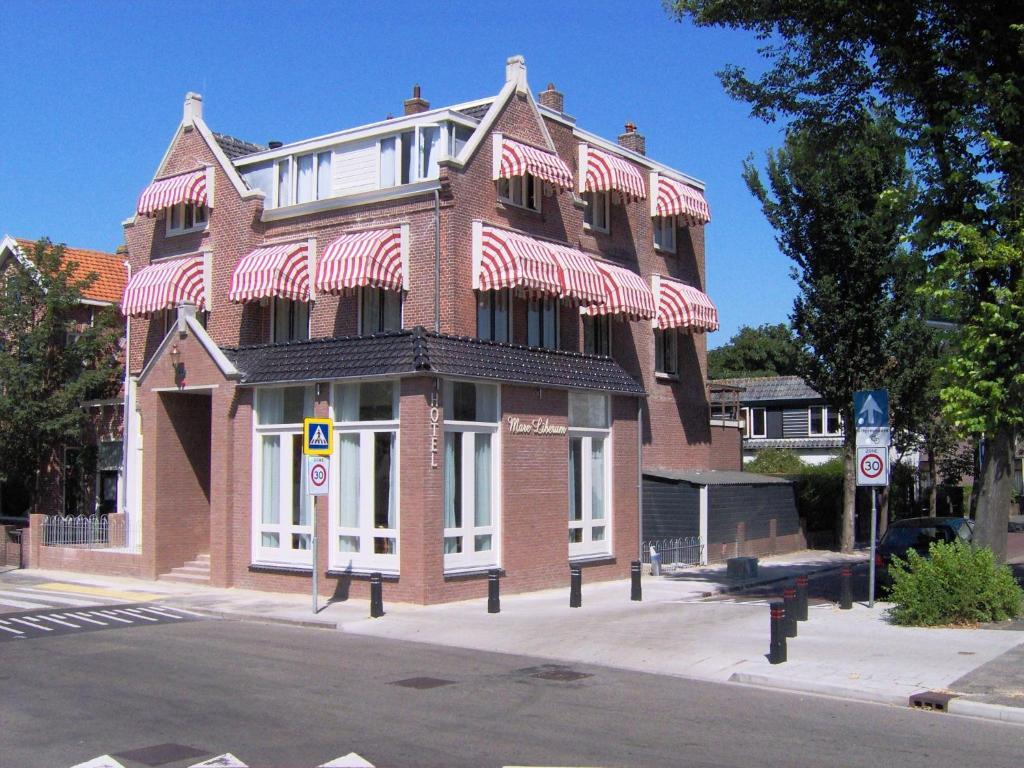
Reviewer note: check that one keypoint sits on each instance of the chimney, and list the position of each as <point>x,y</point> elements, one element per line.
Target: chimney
<point>633,140</point>
<point>415,105</point>
<point>553,99</point>
<point>193,108</point>
<point>515,72</point>
<point>274,145</point>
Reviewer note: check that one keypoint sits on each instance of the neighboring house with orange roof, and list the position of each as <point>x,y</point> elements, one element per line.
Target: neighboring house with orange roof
<point>67,492</point>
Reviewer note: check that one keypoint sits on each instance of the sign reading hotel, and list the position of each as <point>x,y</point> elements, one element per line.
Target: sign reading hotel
<point>538,426</point>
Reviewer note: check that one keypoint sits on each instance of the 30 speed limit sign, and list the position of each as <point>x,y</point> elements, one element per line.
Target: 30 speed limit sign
<point>872,466</point>
<point>318,473</point>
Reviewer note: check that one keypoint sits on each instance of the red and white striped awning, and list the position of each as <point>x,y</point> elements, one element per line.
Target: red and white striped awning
<point>683,306</point>
<point>183,188</point>
<point>677,199</point>
<point>272,270</point>
<point>165,285</point>
<point>518,159</point>
<point>625,293</point>
<point>512,260</point>
<point>362,259</point>
<point>606,172</point>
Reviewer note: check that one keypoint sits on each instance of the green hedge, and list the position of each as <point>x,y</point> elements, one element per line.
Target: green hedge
<point>955,584</point>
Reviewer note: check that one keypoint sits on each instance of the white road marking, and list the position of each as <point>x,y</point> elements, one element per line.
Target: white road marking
<point>51,597</point>
<point>23,604</point>
<point>83,617</point>
<point>28,623</point>
<point>8,629</point>
<point>136,614</point>
<point>110,615</point>
<point>351,760</point>
<point>167,614</point>
<point>184,610</point>
<point>103,761</point>
<point>227,760</point>
<point>52,617</point>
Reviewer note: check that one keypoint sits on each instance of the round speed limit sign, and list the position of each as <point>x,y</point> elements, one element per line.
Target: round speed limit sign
<point>872,466</point>
<point>317,474</point>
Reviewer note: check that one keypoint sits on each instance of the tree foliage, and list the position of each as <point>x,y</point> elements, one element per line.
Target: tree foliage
<point>951,74</point>
<point>768,350</point>
<point>49,364</point>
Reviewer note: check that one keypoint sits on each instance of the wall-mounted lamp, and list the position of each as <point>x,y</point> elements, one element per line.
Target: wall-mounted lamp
<point>178,366</point>
<point>175,356</point>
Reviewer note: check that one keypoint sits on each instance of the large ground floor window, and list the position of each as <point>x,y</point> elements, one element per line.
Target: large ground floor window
<point>589,475</point>
<point>284,527</point>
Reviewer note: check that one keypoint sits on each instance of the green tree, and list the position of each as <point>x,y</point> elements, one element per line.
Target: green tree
<point>837,203</point>
<point>952,74</point>
<point>49,365</point>
<point>768,350</point>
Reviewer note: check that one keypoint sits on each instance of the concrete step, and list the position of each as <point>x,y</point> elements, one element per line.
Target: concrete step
<point>193,572</point>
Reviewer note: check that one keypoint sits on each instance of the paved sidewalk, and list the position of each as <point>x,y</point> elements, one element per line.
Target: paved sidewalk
<point>675,630</point>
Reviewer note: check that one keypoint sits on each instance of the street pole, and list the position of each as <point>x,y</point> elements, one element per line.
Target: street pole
<point>312,500</point>
<point>874,533</point>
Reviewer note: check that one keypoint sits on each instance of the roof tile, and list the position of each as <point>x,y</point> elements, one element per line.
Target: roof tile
<point>111,272</point>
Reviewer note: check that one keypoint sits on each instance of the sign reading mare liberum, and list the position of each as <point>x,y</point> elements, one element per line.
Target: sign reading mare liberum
<point>538,426</point>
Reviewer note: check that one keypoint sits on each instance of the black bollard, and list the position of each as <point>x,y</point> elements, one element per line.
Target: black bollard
<point>636,591</point>
<point>376,596</point>
<point>801,598</point>
<point>789,606</point>
<point>575,586</point>
<point>493,600</point>
<point>777,649</point>
<point>845,589</point>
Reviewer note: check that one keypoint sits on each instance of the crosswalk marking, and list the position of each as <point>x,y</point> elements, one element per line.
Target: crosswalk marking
<point>166,613</point>
<point>83,617</point>
<point>137,614</point>
<point>52,617</point>
<point>28,623</point>
<point>5,628</point>
<point>186,611</point>
<point>110,615</point>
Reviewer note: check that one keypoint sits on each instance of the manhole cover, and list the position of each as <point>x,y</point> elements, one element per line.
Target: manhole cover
<point>161,754</point>
<point>423,683</point>
<point>561,675</point>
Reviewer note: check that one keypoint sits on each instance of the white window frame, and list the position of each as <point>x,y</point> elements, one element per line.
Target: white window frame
<point>664,233</point>
<point>589,339</point>
<point>825,412</point>
<point>469,559</point>
<point>535,305</point>
<point>764,422</point>
<point>510,188</point>
<point>384,293</point>
<point>597,202</point>
<point>181,209</point>
<point>284,528</point>
<point>416,172</point>
<point>587,547</point>
<point>666,340</point>
<point>274,304</point>
<point>490,296</point>
<point>365,559</point>
<point>292,161</point>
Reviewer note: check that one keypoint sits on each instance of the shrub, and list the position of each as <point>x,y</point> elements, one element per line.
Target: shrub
<point>775,461</point>
<point>955,584</point>
<point>819,494</point>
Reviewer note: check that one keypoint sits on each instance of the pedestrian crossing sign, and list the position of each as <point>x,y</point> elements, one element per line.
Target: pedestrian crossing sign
<point>317,437</point>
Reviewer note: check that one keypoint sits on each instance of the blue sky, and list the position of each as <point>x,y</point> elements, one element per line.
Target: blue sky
<point>94,93</point>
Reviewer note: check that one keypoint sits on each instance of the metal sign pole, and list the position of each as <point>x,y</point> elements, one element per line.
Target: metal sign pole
<point>312,500</point>
<point>874,533</point>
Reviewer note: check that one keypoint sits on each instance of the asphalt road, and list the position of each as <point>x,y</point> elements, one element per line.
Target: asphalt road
<point>287,696</point>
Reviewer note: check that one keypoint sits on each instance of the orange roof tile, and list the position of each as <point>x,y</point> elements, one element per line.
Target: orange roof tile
<point>109,268</point>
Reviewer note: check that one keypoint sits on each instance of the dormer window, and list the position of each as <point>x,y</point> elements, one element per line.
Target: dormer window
<point>410,156</point>
<point>520,191</point>
<point>186,217</point>
<point>303,178</point>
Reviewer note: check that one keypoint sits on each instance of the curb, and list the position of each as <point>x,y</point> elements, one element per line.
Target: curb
<point>263,618</point>
<point>1000,712</point>
<point>776,579</point>
<point>822,689</point>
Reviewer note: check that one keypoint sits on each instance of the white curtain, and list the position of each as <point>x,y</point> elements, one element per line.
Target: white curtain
<point>597,478</point>
<point>271,480</point>
<point>452,454</point>
<point>348,493</point>
<point>270,406</point>
<point>284,182</point>
<point>482,495</point>
<point>575,449</point>
<point>430,151</point>
<point>300,491</point>
<point>387,162</point>
<point>347,402</point>
<point>323,175</point>
<point>304,185</point>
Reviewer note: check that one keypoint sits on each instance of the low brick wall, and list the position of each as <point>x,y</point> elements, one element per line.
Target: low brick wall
<point>106,562</point>
<point>10,548</point>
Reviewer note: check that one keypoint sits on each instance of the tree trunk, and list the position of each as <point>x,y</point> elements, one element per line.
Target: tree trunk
<point>933,478</point>
<point>846,537</point>
<point>883,510</point>
<point>996,487</point>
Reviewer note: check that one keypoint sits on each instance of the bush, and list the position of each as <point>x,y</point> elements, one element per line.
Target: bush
<point>775,461</point>
<point>956,584</point>
<point>819,494</point>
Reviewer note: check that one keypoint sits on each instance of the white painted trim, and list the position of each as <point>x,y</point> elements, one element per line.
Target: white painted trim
<point>187,388</point>
<point>10,245</point>
<point>226,165</point>
<point>404,239</point>
<point>349,201</point>
<point>496,142</point>
<point>582,173</point>
<point>478,245</point>
<point>311,268</point>
<point>226,367</point>
<point>210,177</point>
<point>207,255</point>
<point>483,129</point>
<point>613,147</point>
<point>654,194</point>
<point>656,290</point>
<point>703,525</point>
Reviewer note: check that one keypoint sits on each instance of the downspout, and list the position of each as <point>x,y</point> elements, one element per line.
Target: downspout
<point>126,423</point>
<point>437,262</point>
<point>640,478</point>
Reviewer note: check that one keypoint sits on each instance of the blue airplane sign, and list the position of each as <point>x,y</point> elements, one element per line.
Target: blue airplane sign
<point>871,409</point>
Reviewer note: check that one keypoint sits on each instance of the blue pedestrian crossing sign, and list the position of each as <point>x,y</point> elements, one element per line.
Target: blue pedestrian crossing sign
<point>317,437</point>
<point>871,408</point>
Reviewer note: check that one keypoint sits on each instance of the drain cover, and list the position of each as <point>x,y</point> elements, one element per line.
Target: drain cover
<point>423,683</point>
<point>161,754</point>
<point>932,700</point>
<point>554,672</point>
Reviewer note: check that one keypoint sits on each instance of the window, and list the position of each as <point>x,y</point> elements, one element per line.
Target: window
<point>364,491</point>
<point>470,475</point>
<point>186,217</point>
<point>756,423</point>
<point>458,136</point>
<point>303,178</point>
<point>492,315</point>
<point>542,323</point>
<point>520,191</point>
<point>410,156</point>
<point>291,320</point>
<point>589,475</point>
<point>666,352</point>
<point>379,311</point>
<point>665,233</point>
<point>595,215</point>
<point>282,528</point>
<point>597,335</point>
<point>822,420</point>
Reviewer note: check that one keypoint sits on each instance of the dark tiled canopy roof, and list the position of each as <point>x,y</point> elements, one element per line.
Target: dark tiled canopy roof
<point>715,477</point>
<point>419,351</point>
<point>236,148</point>
<point>767,388</point>
<point>477,111</point>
